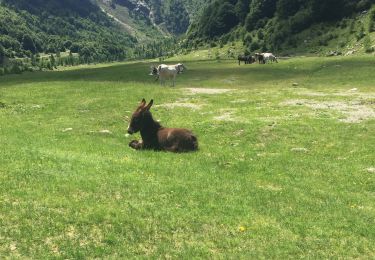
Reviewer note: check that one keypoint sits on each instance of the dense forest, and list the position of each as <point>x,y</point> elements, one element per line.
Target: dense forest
<point>31,29</point>
<point>268,24</point>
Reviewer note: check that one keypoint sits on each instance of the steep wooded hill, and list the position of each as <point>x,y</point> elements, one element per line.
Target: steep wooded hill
<point>282,24</point>
<point>53,26</point>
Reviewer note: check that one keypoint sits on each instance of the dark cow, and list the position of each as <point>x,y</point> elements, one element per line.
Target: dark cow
<point>248,59</point>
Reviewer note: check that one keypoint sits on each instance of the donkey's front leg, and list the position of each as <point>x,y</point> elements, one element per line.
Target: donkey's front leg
<point>135,144</point>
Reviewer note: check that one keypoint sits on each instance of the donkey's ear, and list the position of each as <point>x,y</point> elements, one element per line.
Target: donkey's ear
<point>143,103</point>
<point>149,105</point>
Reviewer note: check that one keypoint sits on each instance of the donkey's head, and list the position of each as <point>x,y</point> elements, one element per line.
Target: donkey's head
<point>140,117</point>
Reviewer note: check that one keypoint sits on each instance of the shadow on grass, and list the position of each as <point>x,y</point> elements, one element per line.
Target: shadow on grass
<point>204,70</point>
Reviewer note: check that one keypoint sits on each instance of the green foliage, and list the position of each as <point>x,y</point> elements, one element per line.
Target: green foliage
<point>254,46</point>
<point>242,8</point>
<point>2,55</point>
<point>371,22</point>
<point>248,39</point>
<point>15,69</point>
<point>217,19</point>
<point>287,8</point>
<point>177,18</point>
<point>259,9</point>
<point>279,20</point>
<point>29,28</point>
<point>361,33</point>
<point>367,44</point>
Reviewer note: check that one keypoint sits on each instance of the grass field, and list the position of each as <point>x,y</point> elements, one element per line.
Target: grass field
<point>286,166</point>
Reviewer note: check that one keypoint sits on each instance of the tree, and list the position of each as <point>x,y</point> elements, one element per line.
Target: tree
<point>241,9</point>
<point>2,55</point>
<point>259,9</point>
<point>28,43</point>
<point>52,61</point>
<point>286,8</point>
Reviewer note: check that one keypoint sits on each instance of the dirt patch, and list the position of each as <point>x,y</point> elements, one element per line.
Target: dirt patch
<point>300,150</point>
<point>354,92</point>
<point>226,115</point>
<point>354,111</point>
<point>178,104</point>
<point>239,101</point>
<point>210,91</point>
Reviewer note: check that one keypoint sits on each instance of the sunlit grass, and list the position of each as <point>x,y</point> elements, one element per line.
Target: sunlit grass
<point>272,178</point>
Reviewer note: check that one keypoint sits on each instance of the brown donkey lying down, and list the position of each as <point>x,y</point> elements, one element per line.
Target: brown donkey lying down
<point>156,137</point>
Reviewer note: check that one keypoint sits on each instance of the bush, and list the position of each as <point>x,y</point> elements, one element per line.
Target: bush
<point>363,5</point>
<point>254,46</point>
<point>300,20</point>
<point>248,39</point>
<point>367,44</point>
<point>260,35</point>
<point>361,33</point>
<point>2,72</point>
<point>16,69</point>
<point>352,27</point>
<point>213,44</point>
<point>371,23</point>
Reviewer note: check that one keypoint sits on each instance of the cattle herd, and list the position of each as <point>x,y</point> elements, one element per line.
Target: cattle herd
<point>165,72</point>
<point>261,58</point>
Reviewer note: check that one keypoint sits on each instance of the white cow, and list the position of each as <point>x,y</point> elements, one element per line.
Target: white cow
<point>269,57</point>
<point>164,72</point>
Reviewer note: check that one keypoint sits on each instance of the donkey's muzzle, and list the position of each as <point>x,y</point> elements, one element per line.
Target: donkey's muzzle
<point>130,131</point>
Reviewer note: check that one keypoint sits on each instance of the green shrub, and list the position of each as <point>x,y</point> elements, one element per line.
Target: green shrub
<point>371,23</point>
<point>213,44</point>
<point>248,39</point>
<point>367,44</point>
<point>361,33</point>
<point>16,69</point>
<point>260,35</point>
<point>254,46</point>
<point>352,27</point>
<point>2,72</point>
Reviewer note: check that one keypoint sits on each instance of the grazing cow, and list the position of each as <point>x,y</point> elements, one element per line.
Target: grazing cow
<point>260,58</point>
<point>164,72</point>
<point>248,59</point>
<point>156,137</point>
<point>269,57</point>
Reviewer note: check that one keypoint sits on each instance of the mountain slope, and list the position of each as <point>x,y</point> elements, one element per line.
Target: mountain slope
<point>31,27</point>
<point>282,24</point>
<point>153,19</point>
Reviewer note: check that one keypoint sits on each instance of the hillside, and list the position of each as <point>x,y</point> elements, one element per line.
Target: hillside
<point>286,25</point>
<point>29,28</point>
<point>153,19</point>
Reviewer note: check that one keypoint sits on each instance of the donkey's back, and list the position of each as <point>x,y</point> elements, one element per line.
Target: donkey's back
<point>177,140</point>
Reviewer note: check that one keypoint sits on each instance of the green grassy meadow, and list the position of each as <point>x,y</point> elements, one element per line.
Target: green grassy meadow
<point>282,171</point>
